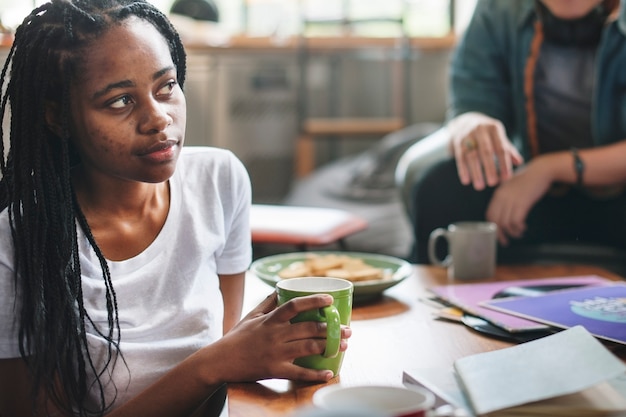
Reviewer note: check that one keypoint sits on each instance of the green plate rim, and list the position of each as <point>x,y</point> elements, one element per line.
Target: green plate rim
<point>404,269</point>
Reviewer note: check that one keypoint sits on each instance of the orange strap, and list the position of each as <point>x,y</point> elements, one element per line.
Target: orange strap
<point>529,88</point>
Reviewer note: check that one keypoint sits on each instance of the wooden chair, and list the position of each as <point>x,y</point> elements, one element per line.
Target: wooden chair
<point>303,227</point>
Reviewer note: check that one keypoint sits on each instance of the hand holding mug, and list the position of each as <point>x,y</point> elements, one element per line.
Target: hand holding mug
<point>334,316</point>
<point>265,343</point>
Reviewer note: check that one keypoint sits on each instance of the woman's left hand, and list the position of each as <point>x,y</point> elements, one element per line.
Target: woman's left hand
<point>514,198</point>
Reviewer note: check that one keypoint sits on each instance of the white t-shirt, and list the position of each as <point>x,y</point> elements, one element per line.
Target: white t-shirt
<point>168,296</point>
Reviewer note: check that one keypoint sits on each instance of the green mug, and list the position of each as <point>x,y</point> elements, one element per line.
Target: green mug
<point>334,315</point>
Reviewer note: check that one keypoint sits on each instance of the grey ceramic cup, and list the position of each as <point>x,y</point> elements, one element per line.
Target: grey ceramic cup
<point>472,249</point>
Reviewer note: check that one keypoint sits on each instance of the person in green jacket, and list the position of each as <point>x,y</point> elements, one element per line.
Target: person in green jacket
<point>534,137</point>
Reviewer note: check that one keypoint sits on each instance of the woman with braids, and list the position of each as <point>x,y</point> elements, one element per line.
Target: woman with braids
<point>122,255</point>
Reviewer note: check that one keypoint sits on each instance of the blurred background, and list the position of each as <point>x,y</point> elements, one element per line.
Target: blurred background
<point>247,89</point>
<point>310,94</point>
<point>263,17</point>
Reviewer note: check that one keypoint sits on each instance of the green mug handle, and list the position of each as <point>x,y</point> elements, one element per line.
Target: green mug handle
<point>333,331</point>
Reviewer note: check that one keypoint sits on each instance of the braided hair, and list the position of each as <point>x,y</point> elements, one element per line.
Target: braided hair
<point>36,190</point>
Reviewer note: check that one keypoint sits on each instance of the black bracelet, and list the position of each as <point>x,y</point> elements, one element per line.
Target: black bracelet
<point>579,167</point>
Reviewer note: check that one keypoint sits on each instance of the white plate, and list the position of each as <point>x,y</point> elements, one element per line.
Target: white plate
<point>267,270</point>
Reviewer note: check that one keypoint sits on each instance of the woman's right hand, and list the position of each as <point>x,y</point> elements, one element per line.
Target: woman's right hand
<point>484,154</point>
<point>261,346</point>
<point>265,343</point>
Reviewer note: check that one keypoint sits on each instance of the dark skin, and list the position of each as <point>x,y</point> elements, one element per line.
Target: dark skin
<point>128,126</point>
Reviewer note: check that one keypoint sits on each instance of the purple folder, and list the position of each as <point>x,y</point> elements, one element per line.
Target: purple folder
<point>468,297</point>
<point>599,309</point>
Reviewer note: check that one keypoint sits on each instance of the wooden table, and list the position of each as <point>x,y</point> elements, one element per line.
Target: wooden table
<point>390,334</point>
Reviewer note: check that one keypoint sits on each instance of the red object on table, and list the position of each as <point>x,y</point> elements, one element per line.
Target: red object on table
<point>302,226</point>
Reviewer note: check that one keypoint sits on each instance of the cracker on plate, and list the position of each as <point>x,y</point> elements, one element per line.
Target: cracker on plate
<point>334,265</point>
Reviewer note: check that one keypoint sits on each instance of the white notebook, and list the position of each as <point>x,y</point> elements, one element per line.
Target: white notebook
<point>568,373</point>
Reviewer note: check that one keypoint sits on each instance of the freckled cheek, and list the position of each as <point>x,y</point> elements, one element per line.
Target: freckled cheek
<point>104,141</point>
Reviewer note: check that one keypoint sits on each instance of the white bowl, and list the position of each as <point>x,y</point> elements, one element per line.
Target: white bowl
<point>390,400</point>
